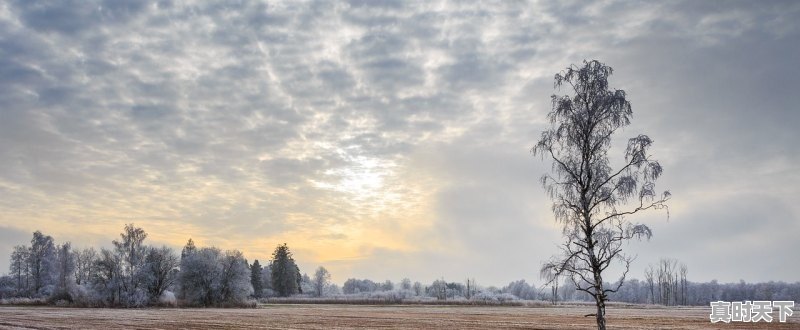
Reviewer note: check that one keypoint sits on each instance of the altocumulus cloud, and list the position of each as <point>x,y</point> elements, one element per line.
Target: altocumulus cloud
<point>387,139</point>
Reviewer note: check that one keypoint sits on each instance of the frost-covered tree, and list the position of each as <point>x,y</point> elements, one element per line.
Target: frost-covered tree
<point>65,270</point>
<point>84,264</point>
<point>438,289</point>
<point>235,285</point>
<point>521,289</point>
<point>353,285</point>
<point>106,282</point>
<point>306,284</point>
<point>591,199</point>
<point>286,278</point>
<point>7,287</point>
<point>209,277</point>
<point>418,289</point>
<point>42,260</point>
<point>20,269</point>
<point>130,250</point>
<point>321,279</point>
<point>159,271</point>
<point>387,286</point>
<point>255,279</point>
<point>199,276</point>
<point>405,284</point>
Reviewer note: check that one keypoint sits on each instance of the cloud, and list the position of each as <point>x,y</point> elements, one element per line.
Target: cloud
<point>383,137</point>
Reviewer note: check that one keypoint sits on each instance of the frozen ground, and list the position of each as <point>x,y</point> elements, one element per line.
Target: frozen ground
<point>349,316</point>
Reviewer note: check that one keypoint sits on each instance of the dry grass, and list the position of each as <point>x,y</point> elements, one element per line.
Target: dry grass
<point>285,316</point>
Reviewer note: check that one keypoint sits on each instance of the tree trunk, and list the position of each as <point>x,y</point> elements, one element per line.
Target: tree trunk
<point>601,314</point>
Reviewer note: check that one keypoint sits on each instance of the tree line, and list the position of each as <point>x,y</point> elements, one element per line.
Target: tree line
<point>134,274</point>
<point>665,283</point>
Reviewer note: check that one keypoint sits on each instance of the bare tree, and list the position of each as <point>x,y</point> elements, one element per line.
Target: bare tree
<point>651,285</point>
<point>592,199</point>
<point>667,280</point>
<point>684,270</point>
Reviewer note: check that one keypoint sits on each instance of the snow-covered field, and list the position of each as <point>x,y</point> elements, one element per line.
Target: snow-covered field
<point>285,316</point>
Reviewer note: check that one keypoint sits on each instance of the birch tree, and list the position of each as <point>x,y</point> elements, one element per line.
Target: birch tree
<point>591,199</point>
<point>42,260</point>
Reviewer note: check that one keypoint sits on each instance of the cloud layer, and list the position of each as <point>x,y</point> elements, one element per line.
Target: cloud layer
<point>390,139</point>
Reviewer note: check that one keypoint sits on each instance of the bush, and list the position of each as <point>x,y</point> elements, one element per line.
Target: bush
<point>24,301</point>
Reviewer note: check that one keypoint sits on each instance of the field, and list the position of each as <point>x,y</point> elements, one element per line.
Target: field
<point>285,316</point>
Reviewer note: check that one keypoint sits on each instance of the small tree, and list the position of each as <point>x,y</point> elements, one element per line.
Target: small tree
<point>590,198</point>
<point>321,279</point>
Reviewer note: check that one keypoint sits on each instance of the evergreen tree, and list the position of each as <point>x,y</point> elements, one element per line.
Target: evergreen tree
<point>255,279</point>
<point>286,277</point>
<point>188,249</point>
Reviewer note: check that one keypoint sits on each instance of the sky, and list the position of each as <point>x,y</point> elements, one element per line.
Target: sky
<point>391,139</point>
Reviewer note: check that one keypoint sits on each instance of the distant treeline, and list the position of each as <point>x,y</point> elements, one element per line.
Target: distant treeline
<point>133,274</point>
<point>697,293</point>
